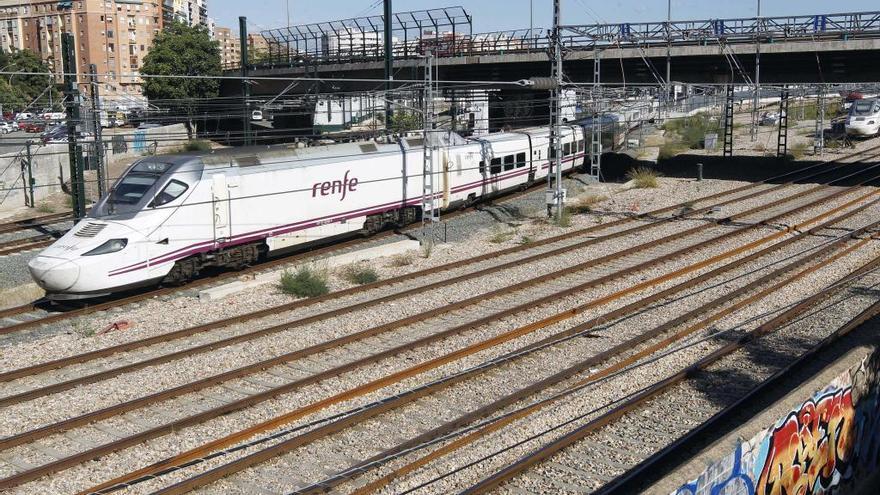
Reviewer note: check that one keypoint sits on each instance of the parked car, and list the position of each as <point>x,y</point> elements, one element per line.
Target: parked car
<point>769,118</point>
<point>6,127</point>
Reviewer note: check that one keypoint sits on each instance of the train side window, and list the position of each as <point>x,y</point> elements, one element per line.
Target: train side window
<point>482,167</point>
<point>566,149</point>
<point>581,145</point>
<point>172,191</point>
<point>551,153</point>
<point>520,160</point>
<point>495,166</point>
<point>508,162</point>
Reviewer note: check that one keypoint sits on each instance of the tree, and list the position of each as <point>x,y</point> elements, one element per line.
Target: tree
<point>32,84</point>
<point>402,122</point>
<point>182,50</point>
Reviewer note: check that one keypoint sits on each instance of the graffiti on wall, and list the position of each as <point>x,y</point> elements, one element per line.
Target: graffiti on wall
<point>821,448</point>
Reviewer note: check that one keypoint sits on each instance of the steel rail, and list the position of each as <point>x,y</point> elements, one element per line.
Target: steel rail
<point>30,370</point>
<point>394,378</point>
<point>266,265</point>
<point>623,483</point>
<point>34,222</point>
<point>203,281</point>
<point>20,247</point>
<point>633,403</point>
<point>826,198</point>
<point>588,364</point>
<point>336,343</point>
<point>238,465</point>
<point>192,351</point>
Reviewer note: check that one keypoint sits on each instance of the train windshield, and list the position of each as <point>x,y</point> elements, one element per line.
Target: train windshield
<point>865,107</point>
<point>132,190</point>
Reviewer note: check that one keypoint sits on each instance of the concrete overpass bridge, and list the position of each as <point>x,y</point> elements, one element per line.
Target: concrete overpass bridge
<point>821,48</point>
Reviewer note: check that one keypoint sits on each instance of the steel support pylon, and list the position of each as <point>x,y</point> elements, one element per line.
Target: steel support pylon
<point>728,122</point>
<point>596,127</point>
<point>819,140</point>
<point>430,215</point>
<point>782,137</point>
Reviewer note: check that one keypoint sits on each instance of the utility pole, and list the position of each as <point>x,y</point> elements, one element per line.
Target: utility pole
<point>532,22</point>
<point>555,194</point>
<point>389,65</point>
<point>74,149</point>
<point>819,139</point>
<point>757,101</point>
<point>99,140</point>
<point>668,49</point>
<point>245,87</point>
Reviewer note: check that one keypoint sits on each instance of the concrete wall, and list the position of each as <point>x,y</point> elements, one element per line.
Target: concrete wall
<point>50,165</point>
<point>830,443</point>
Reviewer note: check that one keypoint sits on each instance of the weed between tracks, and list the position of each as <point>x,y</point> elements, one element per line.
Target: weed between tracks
<point>401,260</point>
<point>304,282</point>
<point>359,274</point>
<point>643,177</point>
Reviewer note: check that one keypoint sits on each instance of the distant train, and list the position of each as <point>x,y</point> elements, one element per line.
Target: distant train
<point>169,217</point>
<point>864,118</point>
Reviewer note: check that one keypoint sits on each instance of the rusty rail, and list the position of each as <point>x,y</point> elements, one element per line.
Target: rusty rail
<point>229,440</point>
<point>633,403</point>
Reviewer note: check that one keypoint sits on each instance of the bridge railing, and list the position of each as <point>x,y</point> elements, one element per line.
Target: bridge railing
<point>314,45</point>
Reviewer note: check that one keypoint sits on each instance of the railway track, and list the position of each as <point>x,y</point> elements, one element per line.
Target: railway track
<point>35,223</point>
<point>299,439</point>
<point>41,313</point>
<point>564,461</point>
<point>734,226</point>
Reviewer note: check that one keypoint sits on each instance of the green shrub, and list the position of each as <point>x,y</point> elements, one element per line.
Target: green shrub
<point>526,240</point>
<point>360,274</point>
<point>45,208</point>
<point>304,282</point>
<point>691,131</point>
<point>197,145</point>
<point>643,177</point>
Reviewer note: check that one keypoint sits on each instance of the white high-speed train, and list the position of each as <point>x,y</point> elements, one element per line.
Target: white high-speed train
<point>169,217</point>
<point>863,118</point>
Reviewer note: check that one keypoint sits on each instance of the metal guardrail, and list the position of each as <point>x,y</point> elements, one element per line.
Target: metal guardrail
<point>360,40</point>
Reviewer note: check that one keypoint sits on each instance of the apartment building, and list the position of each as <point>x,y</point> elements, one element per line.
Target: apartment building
<point>192,12</point>
<point>230,46</point>
<point>115,35</point>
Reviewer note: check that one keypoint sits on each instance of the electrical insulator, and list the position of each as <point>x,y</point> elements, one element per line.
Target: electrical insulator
<point>539,83</point>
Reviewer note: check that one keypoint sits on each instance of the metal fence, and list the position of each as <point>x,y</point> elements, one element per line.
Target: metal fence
<point>447,33</point>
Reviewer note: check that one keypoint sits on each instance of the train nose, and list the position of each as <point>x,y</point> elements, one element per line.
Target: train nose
<point>54,274</point>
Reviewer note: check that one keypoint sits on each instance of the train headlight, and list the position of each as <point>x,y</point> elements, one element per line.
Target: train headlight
<point>872,122</point>
<point>111,246</point>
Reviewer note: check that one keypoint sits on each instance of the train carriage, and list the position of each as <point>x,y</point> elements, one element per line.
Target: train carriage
<point>170,217</point>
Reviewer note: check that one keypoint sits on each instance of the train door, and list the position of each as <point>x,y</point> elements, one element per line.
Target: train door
<point>222,207</point>
<point>531,154</point>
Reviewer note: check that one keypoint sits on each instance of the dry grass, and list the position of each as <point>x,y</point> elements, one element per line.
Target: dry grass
<point>401,260</point>
<point>501,235</point>
<point>643,177</point>
<point>585,204</point>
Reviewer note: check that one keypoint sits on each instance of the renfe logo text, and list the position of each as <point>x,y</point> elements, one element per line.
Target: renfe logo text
<point>335,187</point>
